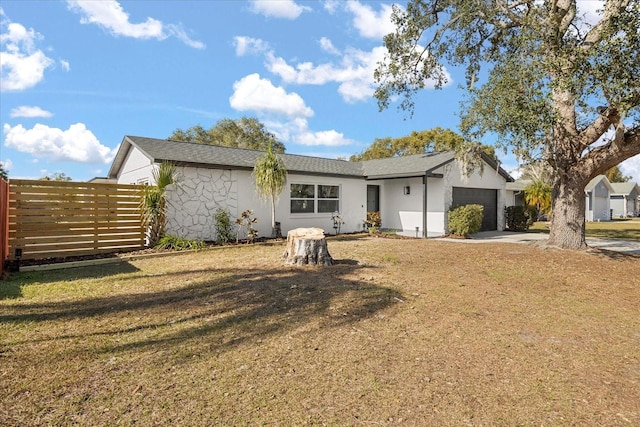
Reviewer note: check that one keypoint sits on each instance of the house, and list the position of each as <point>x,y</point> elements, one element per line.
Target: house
<point>597,203</point>
<point>625,199</point>
<point>515,192</point>
<point>412,193</point>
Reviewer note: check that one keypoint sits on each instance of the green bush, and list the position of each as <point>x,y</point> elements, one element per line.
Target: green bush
<point>520,218</point>
<point>179,243</point>
<point>465,220</point>
<point>224,227</point>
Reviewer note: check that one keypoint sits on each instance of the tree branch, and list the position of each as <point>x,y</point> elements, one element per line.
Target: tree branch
<point>611,8</point>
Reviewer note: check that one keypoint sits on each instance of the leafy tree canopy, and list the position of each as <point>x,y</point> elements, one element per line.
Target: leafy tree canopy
<point>436,139</point>
<point>246,132</point>
<point>557,87</point>
<point>615,175</point>
<point>3,173</point>
<point>57,176</point>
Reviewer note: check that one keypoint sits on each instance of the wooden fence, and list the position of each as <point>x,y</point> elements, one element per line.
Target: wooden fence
<point>50,219</point>
<point>4,222</point>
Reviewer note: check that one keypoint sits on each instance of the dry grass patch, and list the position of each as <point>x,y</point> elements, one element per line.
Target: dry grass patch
<point>411,332</point>
<point>621,229</point>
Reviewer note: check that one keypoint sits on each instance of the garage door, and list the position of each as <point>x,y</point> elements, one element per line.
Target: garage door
<point>481,196</point>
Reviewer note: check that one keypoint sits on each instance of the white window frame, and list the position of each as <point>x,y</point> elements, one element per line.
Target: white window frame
<point>315,199</point>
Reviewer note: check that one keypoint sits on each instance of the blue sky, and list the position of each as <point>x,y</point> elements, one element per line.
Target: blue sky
<point>79,75</point>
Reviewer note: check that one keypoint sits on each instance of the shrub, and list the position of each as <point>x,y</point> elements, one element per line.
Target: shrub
<point>179,243</point>
<point>373,222</point>
<point>224,227</point>
<point>246,221</point>
<point>520,218</point>
<point>465,220</point>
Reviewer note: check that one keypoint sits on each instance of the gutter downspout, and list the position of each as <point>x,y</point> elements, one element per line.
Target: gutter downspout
<point>424,208</point>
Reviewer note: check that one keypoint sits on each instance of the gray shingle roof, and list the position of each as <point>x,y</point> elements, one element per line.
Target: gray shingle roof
<point>518,185</point>
<point>417,164</point>
<point>213,156</point>
<point>159,150</point>
<point>625,188</point>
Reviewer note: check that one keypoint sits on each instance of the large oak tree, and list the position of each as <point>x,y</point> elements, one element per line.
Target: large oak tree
<point>418,142</point>
<point>246,132</point>
<point>555,86</point>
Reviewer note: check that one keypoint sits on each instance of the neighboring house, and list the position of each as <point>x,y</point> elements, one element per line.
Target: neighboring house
<point>515,192</point>
<point>597,203</point>
<point>625,199</point>
<point>412,193</point>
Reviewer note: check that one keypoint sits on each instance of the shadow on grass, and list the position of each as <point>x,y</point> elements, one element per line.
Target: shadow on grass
<point>614,255</point>
<point>220,308</point>
<point>12,286</point>
<point>618,234</point>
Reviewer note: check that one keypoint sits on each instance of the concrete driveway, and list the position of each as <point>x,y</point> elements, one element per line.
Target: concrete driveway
<point>624,246</point>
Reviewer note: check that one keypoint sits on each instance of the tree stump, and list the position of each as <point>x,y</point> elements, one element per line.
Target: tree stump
<point>307,246</point>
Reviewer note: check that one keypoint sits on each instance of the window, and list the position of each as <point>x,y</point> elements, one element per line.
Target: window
<point>310,198</point>
<point>302,198</point>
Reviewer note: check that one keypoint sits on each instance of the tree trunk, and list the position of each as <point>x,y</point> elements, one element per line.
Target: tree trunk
<point>568,214</point>
<point>307,246</point>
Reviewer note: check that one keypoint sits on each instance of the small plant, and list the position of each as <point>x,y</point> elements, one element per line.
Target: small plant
<point>337,221</point>
<point>179,243</point>
<point>465,220</point>
<point>520,218</point>
<point>373,222</point>
<point>224,227</point>
<point>245,222</point>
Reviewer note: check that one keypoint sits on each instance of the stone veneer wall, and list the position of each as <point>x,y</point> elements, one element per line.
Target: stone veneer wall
<point>192,202</point>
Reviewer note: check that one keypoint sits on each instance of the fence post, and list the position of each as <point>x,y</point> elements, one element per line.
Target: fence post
<point>4,223</point>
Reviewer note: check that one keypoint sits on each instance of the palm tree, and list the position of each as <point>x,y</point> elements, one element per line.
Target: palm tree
<point>154,200</point>
<point>270,176</point>
<point>538,194</point>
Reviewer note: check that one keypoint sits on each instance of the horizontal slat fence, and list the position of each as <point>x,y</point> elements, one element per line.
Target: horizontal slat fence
<point>4,223</point>
<point>50,219</point>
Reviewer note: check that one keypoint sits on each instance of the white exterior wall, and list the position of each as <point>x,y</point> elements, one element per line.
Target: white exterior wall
<point>353,205</point>
<point>194,199</point>
<point>601,204</point>
<point>404,212</point>
<point>399,211</point>
<point>489,179</point>
<point>620,207</point>
<point>436,212</point>
<point>136,169</point>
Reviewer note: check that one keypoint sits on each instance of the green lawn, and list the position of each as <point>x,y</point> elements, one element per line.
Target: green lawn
<point>624,229</point>
<point>398,332</point>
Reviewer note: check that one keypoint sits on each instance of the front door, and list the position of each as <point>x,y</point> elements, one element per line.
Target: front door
<point>373,198</point>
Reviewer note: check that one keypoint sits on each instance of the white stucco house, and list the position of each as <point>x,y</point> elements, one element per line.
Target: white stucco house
<point>625,199</point>
<point>597,201</point>
<point>412,193</point>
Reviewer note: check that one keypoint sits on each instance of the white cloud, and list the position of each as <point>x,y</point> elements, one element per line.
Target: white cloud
<point>590,8</point>
<point>7,164</point>
<point>22,65</point>
<point>251,93</point>
<point>76,144</point>
<point>354,72</point>
<point>287,9</point>
<point>327,46</point>
<point>631,167</point>
<point>368,22</point>
<point>331,6</point>
<point>30,112</point>
<point>248,45</point>
<point>329,138</point>
<point>297,131</point>
<point>65,65</point>
<point>109,15</point>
